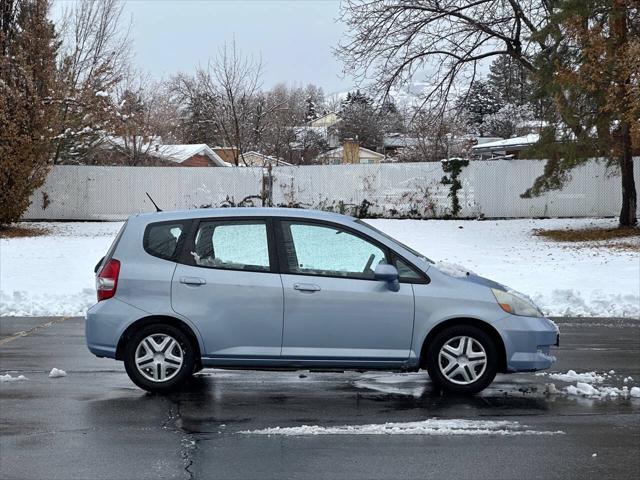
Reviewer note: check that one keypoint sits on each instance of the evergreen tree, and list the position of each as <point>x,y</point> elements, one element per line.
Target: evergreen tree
<point>480,101</point>
<point>312,112</point>
<point>356,98</point>
<point>27,113</point>
<point>509,79</point>
<point>592,75</point>
<point>391,118</point>
<point>360,121</point>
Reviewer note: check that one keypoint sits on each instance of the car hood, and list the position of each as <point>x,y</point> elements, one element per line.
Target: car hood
<point>487,282</point>
<point>461,273</point>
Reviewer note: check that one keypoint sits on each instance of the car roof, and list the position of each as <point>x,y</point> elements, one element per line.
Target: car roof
<point>243,212</point>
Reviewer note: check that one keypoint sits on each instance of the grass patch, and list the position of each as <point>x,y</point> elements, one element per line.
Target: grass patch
<point>589,234</point>
<point>15,231</point>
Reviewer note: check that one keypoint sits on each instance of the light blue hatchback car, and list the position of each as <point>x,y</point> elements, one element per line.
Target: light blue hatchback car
<point>262,288</point>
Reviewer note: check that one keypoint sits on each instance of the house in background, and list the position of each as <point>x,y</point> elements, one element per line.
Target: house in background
<point>257,159</point>
<point>324,127</point>
<point>509,148</point>
<point>227,154</point>
<point>395,144</point>
<point>188,155</point>
<point>349,153</point>
<point>329,119</point>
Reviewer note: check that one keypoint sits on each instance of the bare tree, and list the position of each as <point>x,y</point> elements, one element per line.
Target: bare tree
<point>135,137</point>
<point>93,59</point>
<point>232,81</point>
<point>391,41</point>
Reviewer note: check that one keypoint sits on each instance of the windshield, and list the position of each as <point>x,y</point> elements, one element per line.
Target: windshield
<point>393,240</point>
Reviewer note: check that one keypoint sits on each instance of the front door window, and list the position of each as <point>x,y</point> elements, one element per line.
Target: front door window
<point>313,249</point>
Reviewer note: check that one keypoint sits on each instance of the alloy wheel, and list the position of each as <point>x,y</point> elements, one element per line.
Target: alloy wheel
<point>462,360</point>
<point>159,357</point>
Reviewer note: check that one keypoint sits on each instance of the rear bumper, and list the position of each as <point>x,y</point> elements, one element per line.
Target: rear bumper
<point>105,323</point>
<point>528,342</point>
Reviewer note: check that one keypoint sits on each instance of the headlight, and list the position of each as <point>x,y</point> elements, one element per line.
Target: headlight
<point>515,304</point>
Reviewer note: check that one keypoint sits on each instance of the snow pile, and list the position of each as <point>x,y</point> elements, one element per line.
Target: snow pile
<point>9,378</point>
<point>57,373</point>
<point>550,389</point>
<point>426,427</point>
<point>453,269</point>
<point>24,304</point>
<point>586,390</point>
<point>589,384</point>
<point>572,376</point>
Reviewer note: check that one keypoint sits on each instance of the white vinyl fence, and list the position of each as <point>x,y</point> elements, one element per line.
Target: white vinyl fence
<point>489,188</point>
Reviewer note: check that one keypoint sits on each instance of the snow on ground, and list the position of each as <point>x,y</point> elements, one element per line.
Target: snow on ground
<point>53,274</point>
<point>425,427</point>
<point>565,279</point>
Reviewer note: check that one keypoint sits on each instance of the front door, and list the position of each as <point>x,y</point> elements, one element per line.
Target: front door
<point>335,311</point>
<point>230,289</point>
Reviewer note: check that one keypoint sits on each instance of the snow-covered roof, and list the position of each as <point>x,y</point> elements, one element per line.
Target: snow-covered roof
<point>337,152</point>
<point>180,152</point>
<point>266,158</point>
<point>516,143</point>
<point>398,140</point>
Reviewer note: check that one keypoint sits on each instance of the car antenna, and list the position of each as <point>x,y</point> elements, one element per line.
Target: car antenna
<point>158,209</point>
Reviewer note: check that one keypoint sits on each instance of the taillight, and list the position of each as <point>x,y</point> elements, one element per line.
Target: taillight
<point>107,279</point>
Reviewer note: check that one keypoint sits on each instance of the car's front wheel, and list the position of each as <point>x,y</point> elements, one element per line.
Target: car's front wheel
<point>159,358</point>
<point>462,359</point>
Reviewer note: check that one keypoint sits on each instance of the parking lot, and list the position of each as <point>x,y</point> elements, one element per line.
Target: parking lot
<point>94,423</point>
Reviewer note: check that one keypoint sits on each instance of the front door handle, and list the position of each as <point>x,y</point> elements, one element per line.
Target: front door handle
<point>192,280</point>
<point>306,287</point>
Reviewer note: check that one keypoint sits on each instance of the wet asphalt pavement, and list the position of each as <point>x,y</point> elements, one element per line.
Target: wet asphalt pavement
<point>95,424</point>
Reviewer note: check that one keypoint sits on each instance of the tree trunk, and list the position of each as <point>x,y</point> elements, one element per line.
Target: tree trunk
<point>629,198</point>
<point>619,32</point>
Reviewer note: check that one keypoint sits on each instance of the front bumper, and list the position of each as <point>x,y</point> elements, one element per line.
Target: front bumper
<point>528,342</point>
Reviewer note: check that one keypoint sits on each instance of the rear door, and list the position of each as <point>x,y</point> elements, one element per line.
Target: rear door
<point>227,284</point>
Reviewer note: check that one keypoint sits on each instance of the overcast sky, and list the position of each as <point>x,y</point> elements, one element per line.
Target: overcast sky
<point>295,38</point>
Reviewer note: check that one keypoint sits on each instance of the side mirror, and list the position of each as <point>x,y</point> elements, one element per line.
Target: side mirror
<point>388,273</point>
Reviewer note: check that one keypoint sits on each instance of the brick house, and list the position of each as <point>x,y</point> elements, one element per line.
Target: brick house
<point>188,155</point>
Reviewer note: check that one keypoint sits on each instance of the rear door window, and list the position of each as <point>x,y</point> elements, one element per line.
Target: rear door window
<point>232,245</point>
<point>161,239</point>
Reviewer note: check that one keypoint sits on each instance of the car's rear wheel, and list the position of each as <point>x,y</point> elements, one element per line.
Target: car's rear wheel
<point>159,358</point>
<point>462,359</point>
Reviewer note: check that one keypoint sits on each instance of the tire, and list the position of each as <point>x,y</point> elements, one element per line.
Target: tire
<point>147,358</point>
<point>454,368</point>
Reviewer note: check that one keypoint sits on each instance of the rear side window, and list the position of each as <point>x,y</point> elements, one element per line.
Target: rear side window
<point>232,245</point>
<point>161,239</point>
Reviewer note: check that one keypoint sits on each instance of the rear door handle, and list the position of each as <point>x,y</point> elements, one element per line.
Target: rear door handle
<point>306,287</point>
<point>192,280</point>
